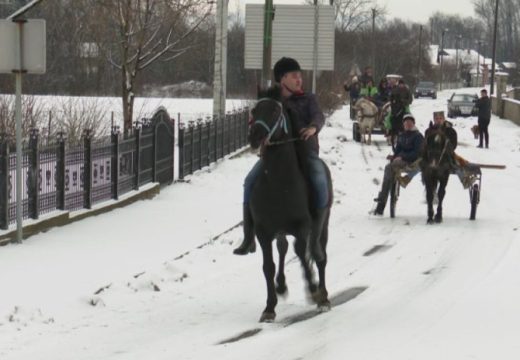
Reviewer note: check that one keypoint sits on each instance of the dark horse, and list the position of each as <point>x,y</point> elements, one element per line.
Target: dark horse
<point>436,165</point>
<point>280,202</point>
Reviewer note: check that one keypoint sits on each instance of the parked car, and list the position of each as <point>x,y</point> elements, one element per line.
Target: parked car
<point>426,89</point>
<point>462,104</point>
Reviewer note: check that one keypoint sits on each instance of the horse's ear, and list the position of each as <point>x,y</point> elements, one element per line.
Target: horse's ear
<point>275,93</point>
<point>261,92</point>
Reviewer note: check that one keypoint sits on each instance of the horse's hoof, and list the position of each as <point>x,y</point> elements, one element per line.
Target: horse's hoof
<point>430,222</point>
<point>267,317</point>
<point>438,219</point>
<point>324,307</point>
<point>320,297</point>
<point>281,289</point>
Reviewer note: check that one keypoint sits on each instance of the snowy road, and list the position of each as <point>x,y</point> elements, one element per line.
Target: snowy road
<point>402,289</point>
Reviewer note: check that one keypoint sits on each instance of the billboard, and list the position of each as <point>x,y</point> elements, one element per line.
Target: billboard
<point>293,35</point>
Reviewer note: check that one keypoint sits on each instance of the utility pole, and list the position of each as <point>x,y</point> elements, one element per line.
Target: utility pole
<point>315,47</point>
<point>492,88</point>
<point>420,53</point>
<point>442,56</point>
<point>431,31</point>
<point>478,63</point>
<point>374,11</point>
<point>220,69</point>
<point>457,45</point>
<point>268,42</point>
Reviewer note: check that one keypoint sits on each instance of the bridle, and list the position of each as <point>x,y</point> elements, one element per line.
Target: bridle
<point>281,123</point>
<point>445,147</point>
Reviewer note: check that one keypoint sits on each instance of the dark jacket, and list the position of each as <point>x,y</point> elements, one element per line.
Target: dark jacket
<point>483,105</point>
<point>305,111</point>
<point>447,128</point>
<point>365,78</point>
<point>408,145</point>
<point>353,90</point>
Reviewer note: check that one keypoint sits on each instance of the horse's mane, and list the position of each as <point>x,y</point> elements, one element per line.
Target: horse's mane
<point>273,92</point>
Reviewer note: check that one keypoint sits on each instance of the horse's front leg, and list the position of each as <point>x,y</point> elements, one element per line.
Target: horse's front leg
<point>265,240</point>
<point>322,295</point>
<point>300,248</point>
<point>282,245</point>
<point>440,194</point>
<point>430,188</point>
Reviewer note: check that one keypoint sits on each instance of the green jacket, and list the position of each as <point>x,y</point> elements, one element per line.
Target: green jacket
<point>368,91</point>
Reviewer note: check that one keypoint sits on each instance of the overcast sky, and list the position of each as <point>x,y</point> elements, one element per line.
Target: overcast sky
<point>413,10</point>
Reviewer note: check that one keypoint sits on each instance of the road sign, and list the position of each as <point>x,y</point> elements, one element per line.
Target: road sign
<point>33,49</point>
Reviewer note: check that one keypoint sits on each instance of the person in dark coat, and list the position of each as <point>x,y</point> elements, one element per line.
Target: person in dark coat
<point>307,120</point>
<point>367,76</point>
<point>407,149</point>
<point>354,90</point>
<point>384,91</point>
<point>483,105</point>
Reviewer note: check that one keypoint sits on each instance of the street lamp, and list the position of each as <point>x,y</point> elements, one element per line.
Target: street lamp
<point>441,54</point>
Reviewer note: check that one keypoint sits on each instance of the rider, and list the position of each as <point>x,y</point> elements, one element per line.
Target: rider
<point>306,124</point>
<point>383,90</point>
<point>408,146</point>
<point>400,98</point>
<point>367,76</point>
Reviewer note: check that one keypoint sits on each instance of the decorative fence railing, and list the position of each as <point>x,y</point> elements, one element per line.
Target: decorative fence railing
<point>65,176</point>
<point>204,142</point>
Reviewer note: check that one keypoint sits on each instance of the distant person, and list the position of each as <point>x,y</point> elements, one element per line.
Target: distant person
<point>483,105</point>
<point>369,91</point>
<point>368,75</point>
<point>353,90</point>
<point>384,89</point>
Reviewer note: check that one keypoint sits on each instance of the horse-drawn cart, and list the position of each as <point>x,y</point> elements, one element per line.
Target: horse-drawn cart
<point>475,186</point>
<point>367,122</point>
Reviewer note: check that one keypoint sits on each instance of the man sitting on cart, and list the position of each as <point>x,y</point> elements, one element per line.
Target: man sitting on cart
<point>408,146</point>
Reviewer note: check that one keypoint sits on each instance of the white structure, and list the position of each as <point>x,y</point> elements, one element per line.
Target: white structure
<point>293,35</point>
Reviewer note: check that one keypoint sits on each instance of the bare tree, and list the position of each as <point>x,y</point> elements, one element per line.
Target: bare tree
<point>32,115</point>
<point>134,34</point>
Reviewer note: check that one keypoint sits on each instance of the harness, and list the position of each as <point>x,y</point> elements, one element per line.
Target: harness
<point>281,123</point>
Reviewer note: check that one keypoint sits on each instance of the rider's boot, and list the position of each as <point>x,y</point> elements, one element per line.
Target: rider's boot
<point>248,244</point>
<point>318,220</point>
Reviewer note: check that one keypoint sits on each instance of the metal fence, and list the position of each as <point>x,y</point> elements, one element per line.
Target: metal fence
<point>205,141</point>
<point>70,176</point>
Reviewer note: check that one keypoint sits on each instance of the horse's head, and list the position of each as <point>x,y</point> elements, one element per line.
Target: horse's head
<point>268,121</point>
<point>437,149</point>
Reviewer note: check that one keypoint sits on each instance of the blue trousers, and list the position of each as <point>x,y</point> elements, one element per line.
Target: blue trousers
<point>317,178</point>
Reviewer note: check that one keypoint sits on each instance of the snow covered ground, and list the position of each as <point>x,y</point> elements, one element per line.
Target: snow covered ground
<point>150,281</point>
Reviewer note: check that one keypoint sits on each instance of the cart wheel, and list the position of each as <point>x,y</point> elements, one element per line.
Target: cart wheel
<point>356,134</point>
<point>474,196</point>
<point>394,194</point>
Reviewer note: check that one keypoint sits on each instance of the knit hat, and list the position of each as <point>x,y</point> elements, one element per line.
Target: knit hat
<point>283,66</point>
<point>408,117</point>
